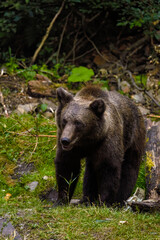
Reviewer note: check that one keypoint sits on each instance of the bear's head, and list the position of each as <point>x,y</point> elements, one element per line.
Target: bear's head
<point>80,120</point>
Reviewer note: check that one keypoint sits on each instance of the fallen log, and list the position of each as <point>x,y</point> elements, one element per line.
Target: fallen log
<point>146,206</point>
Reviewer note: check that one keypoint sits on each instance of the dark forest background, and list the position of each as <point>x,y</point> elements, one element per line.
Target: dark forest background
<point>24,23</point>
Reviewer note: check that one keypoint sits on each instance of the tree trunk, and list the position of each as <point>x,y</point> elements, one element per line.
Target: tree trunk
<point>152,202</point>
<point>153,162</point>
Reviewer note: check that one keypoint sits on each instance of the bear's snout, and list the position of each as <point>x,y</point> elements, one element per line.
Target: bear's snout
<point>65,141</point>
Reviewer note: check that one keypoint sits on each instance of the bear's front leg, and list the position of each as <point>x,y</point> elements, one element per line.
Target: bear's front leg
<point>108,181</point>
<point>90,191</point>
<point>67,172</point>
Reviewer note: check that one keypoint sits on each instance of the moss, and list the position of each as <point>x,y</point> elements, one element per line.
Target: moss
<point>149,162</point>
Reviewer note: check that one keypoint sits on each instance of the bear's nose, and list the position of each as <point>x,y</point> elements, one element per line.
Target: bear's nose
<point>65,141</point>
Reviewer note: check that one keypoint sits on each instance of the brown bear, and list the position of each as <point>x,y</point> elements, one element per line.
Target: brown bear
<point>106,129</point>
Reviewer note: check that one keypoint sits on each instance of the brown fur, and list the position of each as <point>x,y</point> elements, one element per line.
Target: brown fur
<point>108,130</point>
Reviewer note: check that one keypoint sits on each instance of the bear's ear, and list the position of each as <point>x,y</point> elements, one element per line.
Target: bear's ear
<point>98,107</point>
<point>63,96</point>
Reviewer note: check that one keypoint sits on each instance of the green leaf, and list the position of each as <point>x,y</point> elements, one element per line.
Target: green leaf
<point>80,74</point>
<point>141,79</point>
<point>43,107</point>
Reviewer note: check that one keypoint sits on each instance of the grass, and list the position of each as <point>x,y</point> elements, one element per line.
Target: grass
<point>34,220</point>
<point>32,139</point>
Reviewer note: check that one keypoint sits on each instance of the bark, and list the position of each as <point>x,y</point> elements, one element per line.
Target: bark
<point>153,162</point>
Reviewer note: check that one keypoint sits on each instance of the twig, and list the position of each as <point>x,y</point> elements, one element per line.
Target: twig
<point>54,147</point>
<point>82,55</point>
<point>97,50</point>
<point>74,45</point>
<point>27,130</point>
<point>154,116</point>
<point>134,51</point>
<point>3,104</point>
<point>132,79</point>
<point>153,99</point>
<point>79,43</point>
<point>32,135</point>
<point>47,33</point>
<point>141,89</point>
<point>91,19</point>
<point>134,45</point>
<point>61,38</point>
<point>36,144</point>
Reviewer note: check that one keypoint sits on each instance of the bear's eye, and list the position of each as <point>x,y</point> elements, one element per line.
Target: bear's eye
<point>79,124</point>
<point>64,122</point>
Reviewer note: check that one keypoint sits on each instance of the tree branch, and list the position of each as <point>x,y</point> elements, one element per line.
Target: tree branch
<point>62,34</point>
<point>47,34</point>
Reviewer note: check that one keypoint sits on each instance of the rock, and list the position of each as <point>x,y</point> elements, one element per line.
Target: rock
<point>138,98</point>
<point>48,114</point>
<point>138,196</point>
<point>103,72</point>
<point>7,230</point>
<point>26,108</point>
<point>143,110</point>
<point>43,78</point>
<point>22,169</point>
<point>45,178</point>
<point>148,123</point>
<point>46,108</point>
<point>32,186</point>
<point>36,107</point>
<point>122,222</point>
<point>50,105</point>
<point>125,86</point>
<point>49,195</point>
<point>40,89</point>
<point>75,201</point>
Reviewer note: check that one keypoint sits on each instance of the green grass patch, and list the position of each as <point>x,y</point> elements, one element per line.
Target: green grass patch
<point>26,139</point>
<point>35,220</point>
<point>29,139</point>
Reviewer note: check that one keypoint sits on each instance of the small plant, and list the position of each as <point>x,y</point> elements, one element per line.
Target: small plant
<point>141,79</point>
<point>19,67</point>
<point>80,74</point>
<point>69,184</point>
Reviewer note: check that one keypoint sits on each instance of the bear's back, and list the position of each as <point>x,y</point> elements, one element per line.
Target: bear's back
<point>119,107</point>
<point>90,93</point>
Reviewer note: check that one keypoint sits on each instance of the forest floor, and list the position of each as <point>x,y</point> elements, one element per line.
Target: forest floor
<point>130,65</point>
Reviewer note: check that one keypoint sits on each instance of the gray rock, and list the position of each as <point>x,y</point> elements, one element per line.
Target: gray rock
<point>49,195</point>
<point>143,110</point>
<point>22,169</point>
<point>8,230</point>
<point>50,105</point>
<point>32,186</point>
<point>26,108</point>
<point>125,86</point>
<point>138,98</point>
<point>75,201</point>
